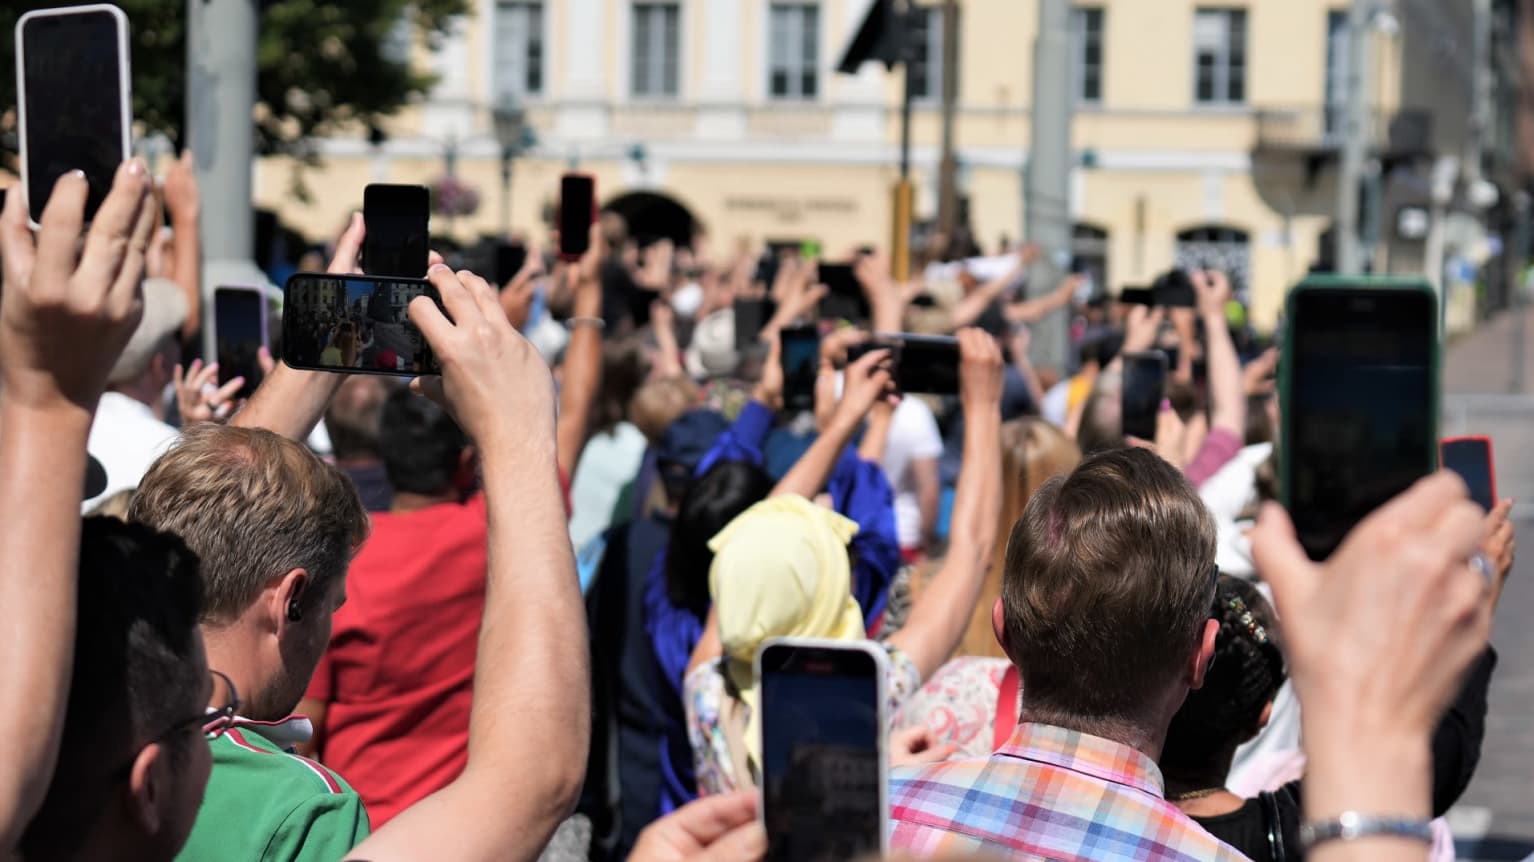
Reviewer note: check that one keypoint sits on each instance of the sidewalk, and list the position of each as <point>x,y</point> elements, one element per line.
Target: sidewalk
<point>1480,362</point>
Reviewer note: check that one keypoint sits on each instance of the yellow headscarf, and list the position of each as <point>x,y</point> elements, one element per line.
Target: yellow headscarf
<point>780,570</point>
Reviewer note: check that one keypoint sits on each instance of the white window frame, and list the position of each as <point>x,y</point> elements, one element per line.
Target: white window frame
<point>519,58</point>
<point>656,60</point>
<point>795,68</point>
<point>1222,17</point>
<point>933,79</point>
<point>1079,53</point>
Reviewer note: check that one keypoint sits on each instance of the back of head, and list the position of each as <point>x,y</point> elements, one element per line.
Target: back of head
<point>138,669</point>
<point>659,403</point>
<point>1102,417</point>
<point>714,500</point>
<point>253,506</point>
<point>623,371</point>
<point>1109,579</point>
<point>1247,672</point>
<point>421,444</point>
<point>354,417</point>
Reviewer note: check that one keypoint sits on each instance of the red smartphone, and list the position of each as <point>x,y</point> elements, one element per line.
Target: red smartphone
<point>577,212</point>
<point>1470,457</point>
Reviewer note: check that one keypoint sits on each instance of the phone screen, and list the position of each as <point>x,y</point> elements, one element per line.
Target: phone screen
<point>397,220</point>
<point>1359,424</point>
<point>239,331</point>
<point>577,196</point>
<point>355,323</point>
<point>928,364</point>
<point>1143,390</point>
<point>844,298</point>
<point>800,356</point>
<point>510,257</point>
<point>1470,457</point>
<point>75,100</point>
<point>821,754</point>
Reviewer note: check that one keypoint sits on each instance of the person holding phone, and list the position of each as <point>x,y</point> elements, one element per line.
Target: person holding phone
<point>781,570</point>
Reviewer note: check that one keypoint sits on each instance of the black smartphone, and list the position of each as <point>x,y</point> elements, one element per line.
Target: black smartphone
<point>1144,388</point>
<point>1174,290</point>
<point>577,210</point>
<point>397,219</point>
<point>510,257</point>
<point>1137,296</point>
<point>824,774</point>
<point>844,298</point>
<point>72,75</point>
<point>1470,457</point>
<point>750,316</point>
<point>239,332</point>
<point>927,364</point>
<point>800,356</point>
<point>355,324</point>
<point>1358,394</point>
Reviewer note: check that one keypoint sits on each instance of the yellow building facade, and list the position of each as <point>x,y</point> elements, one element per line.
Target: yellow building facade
<point>732,108</point>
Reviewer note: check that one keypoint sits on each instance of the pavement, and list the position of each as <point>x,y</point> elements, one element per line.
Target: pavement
<point>1482,395</point>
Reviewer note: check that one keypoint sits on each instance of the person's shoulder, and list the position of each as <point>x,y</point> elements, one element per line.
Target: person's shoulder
<point>251,763</point>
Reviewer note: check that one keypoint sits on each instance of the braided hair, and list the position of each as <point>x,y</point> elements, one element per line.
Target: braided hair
<point>1247,671</point>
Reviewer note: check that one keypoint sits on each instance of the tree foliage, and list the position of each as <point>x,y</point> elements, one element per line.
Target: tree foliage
<point>322,65</point>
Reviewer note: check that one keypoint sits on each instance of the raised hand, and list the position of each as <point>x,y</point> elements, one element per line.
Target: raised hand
<point>1213,290</point>
<point>1141,328</point>
<point>866,382</point>
<point>182,200</point>
<point>981,377</point>
<point>65,318</point>
<point>199,398</point>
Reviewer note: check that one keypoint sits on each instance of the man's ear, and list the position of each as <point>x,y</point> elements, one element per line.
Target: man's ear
<point>289,599</point>
<point>1203,657</point>
<point>146,783</point>
<point>999,624</point>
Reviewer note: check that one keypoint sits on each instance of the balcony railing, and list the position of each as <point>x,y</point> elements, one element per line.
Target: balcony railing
<point>1320,130</point>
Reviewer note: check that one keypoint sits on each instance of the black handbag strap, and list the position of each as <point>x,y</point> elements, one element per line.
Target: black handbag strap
<point>1275,826</point>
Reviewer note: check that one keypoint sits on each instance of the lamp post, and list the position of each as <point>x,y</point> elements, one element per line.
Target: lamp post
<point>509,119</point>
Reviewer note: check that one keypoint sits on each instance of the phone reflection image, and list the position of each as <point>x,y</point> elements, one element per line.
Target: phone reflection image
<point>355,324</point>
<point>823,761</point>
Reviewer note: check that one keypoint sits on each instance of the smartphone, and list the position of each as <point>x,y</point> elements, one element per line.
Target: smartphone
<point>239,331</point>
<point>1137,296</point>
<point>1174,290</point>
<point>1144,389</point>
<point>824,723</point>
<point>397,219</point>
<point>800,355</point>
<point>577,211</point>
<point>510,257</point>
<point>1358,396</point>
<point>73,100</point>
<point>844,298</point>
<point>355,324</point>
<point>750,316</point>
<point>1470,457</point>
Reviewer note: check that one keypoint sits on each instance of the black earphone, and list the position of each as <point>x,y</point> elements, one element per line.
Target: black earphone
<point>295,612</point>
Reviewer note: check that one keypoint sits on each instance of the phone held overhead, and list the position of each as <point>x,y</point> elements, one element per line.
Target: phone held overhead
<point>1470,458</point>
<point>1358,394</point>
<point>1144,389</point>
<point>72,75</point>
<point>577,213</point>
<point>397,218</point>
<point>355,324</point>
<point>800,358</point>
<point>921,364</point>
<point>239,332</point>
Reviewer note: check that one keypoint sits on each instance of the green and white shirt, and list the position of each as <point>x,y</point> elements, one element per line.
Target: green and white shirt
<point>266,804</point>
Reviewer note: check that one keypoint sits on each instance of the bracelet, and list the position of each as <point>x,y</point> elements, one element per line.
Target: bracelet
<point>597,322</point>
<point>1352,825</point>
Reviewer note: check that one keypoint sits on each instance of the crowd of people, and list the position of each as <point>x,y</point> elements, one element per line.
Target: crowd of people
<point>510,611</point>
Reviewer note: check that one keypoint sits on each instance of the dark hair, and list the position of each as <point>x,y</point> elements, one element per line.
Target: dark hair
<point>352,420</point>
<point>1245,677</point>
<point>1259,428</point>
<point>726,490</point>
<point>421,444</point>
<point>137,669</point>
<point>1108,582</point>
<point>623,371</point>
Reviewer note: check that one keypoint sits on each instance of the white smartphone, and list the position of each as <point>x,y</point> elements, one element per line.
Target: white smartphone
<point>239,331</point>
<point>824,746</point>
<point>72,95</point>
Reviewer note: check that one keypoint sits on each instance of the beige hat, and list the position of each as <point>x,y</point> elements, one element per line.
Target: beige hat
<point>164,313</point>
<point>712,351</point>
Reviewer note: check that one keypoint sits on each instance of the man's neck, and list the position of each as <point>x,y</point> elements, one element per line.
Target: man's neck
<point>1132,734</point>
<point>230,653</point>
<point>406,501</point>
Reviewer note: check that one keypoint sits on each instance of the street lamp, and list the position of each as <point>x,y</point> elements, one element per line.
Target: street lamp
<point>509,119</point>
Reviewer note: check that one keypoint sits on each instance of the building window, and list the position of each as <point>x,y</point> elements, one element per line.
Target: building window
<point>518,49</point>
<point>927,54</point>
<point>1219,56</point>
<point>1220,247</point>
<point>657,50</point>
<point>1087,54</point>
<point>1089,255</point>
<point>793,70</point>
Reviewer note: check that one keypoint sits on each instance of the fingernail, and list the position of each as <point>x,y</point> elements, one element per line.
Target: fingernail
<point>1166,404</point>
<point>135,168</point>
<point>439,267</point>
<point>77,173</point>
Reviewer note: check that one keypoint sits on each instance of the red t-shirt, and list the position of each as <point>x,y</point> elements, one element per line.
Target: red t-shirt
<point>398,675</point>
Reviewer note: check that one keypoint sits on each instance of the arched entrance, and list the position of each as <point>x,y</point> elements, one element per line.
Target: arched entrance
<point>652,216</point>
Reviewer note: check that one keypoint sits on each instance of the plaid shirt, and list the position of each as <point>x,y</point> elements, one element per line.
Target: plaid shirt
<point>1049,793</point>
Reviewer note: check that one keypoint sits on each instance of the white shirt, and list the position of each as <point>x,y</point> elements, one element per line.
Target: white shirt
<point>608,463</point>
<point>126,438</point>
<point>913,435</point>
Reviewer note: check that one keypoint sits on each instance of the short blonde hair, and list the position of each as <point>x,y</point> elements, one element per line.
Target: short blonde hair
<point>252,505</point>
<point>661,402</point>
